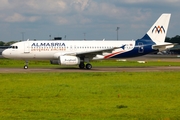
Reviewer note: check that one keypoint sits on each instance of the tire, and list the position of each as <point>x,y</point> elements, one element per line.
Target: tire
<point>25,67</point>
<point>88,66</point>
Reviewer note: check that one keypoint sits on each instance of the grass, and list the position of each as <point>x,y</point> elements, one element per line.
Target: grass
<point>107,96</point>
<point>4,63</point>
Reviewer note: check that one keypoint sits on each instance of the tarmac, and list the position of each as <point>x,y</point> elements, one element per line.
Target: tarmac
<point>98,69</point>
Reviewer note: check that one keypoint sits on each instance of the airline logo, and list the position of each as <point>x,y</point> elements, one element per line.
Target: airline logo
<point>158,29</point>
<point>47,44</point>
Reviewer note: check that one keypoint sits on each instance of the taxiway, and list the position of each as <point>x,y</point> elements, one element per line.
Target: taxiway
<point>97,69</point>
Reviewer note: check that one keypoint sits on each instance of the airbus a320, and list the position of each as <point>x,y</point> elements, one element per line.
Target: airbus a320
<point>82,52</point>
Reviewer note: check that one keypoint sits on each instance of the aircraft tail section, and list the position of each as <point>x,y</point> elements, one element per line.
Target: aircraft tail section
<point>158,31</point>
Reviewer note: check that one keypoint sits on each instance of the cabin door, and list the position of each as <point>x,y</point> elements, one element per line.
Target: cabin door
<point>26,47</point>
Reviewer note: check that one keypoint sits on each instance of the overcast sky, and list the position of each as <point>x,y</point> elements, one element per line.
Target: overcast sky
<point>76,19</point>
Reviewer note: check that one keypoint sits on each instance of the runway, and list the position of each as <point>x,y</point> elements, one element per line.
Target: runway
<point>97,69</point>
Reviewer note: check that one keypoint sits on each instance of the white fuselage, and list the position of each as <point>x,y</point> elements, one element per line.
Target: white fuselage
<point>48,50</point>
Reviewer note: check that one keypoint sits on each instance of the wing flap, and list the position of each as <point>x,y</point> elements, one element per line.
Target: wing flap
<point>92,52</point>
<point>89,54</point>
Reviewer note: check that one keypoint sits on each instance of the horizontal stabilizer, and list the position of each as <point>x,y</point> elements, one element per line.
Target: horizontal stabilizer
<point>163,46</point>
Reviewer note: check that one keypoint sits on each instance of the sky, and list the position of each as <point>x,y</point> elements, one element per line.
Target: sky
<point>83,19</point>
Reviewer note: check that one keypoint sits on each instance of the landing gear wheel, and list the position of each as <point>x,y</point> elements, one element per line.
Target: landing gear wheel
<point>25,67</point>
<point>81,65</point>
<point>88,66</point>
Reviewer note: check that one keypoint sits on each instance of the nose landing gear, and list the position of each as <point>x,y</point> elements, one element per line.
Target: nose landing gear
<point>26,65</point>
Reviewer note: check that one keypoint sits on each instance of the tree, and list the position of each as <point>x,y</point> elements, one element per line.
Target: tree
<point>9,43</point>
<point>175,39</point>
<point>2,43</point>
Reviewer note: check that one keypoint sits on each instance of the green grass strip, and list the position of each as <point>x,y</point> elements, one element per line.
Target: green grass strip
<point>8,63</point>
<point>86,96</point>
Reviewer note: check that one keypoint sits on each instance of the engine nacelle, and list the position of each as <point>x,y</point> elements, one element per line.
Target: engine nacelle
<point>66,60</point>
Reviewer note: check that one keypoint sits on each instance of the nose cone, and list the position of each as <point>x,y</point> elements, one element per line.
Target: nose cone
<point>5,53</point>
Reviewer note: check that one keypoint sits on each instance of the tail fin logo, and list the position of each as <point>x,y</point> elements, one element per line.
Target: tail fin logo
<point>158,29</point>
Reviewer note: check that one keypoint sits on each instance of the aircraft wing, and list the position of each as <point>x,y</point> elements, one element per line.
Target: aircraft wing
<point>163,46</point>
<point>92,53</point>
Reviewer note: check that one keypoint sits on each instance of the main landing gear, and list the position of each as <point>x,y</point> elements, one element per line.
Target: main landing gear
<point>82,66</point>
<point>88,66</point>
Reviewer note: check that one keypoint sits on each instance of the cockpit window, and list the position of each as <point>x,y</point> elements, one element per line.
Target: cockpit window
<point>14,47</point>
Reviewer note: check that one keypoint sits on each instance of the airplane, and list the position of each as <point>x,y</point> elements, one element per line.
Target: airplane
<point>80,52</point>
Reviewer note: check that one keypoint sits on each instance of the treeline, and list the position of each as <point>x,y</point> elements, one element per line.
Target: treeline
<point>7,43</point>
<point>175,39</point>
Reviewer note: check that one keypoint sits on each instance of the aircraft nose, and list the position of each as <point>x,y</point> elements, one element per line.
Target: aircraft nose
<point>5,53</point>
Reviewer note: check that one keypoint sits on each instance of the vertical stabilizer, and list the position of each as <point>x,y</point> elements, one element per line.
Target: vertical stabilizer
<point>158,31</point>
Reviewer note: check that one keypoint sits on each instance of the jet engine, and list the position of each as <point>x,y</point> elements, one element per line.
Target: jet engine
<point>66,60</point>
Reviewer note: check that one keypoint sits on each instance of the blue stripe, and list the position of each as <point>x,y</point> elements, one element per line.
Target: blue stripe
<point>143,46</point>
